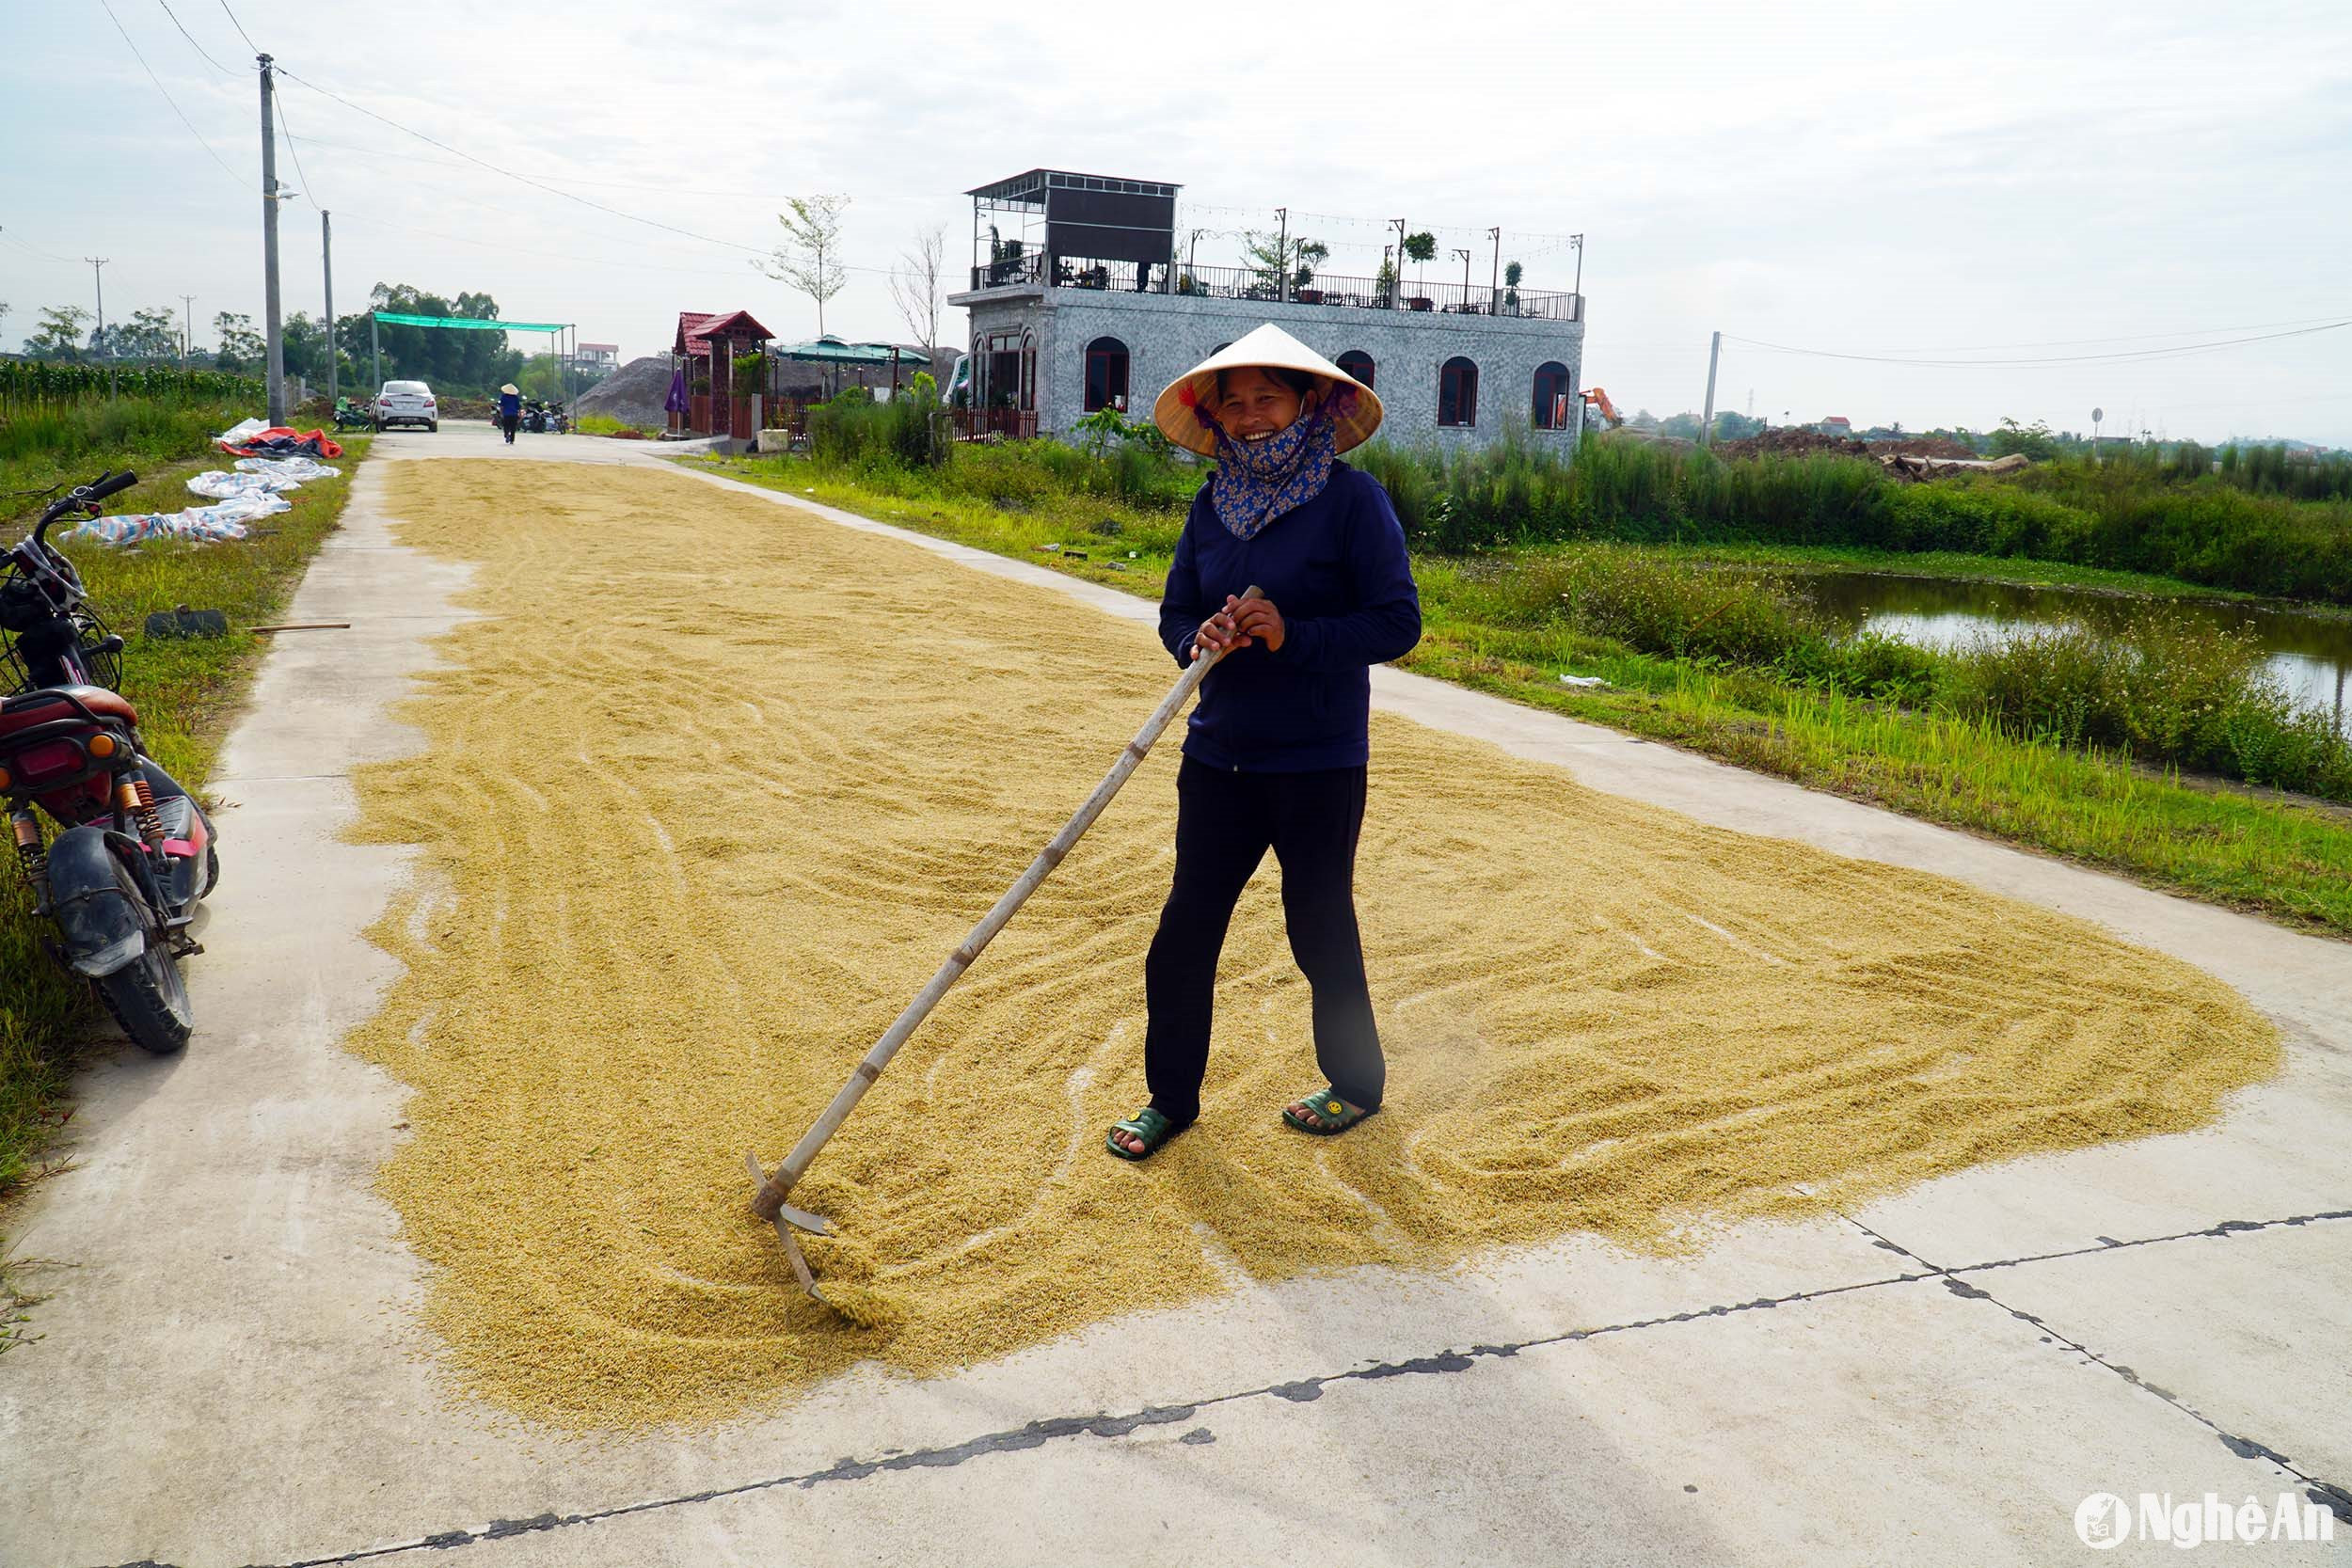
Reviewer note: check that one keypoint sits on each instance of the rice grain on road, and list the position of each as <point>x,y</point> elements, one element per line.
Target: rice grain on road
<point>721,784</point>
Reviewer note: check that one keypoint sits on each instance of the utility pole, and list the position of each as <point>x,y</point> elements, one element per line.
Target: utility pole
<point>1706,421</point>
<point>1494,302</point>
<point>187,325</point>
<point>1578,241</point>
<point>275,362</point>
<point>1396,290</point>
<point>1282,253</point>
<point>1465,255</point>
<point>375,353</point>
<point>327,255</point>
<point>99,279</point>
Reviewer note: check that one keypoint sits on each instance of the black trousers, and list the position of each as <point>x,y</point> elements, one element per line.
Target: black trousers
<point>1225,823</point>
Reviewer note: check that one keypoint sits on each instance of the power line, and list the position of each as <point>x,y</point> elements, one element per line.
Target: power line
<point>240,27</point>
<point>32,250</point>
<point>522,178</point>
<point>168,98</point>
<point>560,180</point>
<point>2123,338</point>
<point>300,173</point>
<point>2132,355</point>
<point>191,38</point>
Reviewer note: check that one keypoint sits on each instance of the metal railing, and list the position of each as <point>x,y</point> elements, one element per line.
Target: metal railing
<point>1363,294</point>
<point>1012,424</point>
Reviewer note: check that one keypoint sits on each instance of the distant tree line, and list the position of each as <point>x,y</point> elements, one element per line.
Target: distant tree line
<point>451,361</point>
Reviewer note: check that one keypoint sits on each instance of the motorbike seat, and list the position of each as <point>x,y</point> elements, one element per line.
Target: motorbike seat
<point>27,710</point>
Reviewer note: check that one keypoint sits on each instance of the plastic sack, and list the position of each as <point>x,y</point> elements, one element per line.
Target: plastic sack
<point>295,468</point>
<point>222,487</point>
<point>202,524</point>
<point>282,441</point>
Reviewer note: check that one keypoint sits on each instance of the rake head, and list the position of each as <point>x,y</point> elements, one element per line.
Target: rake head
<point>768,1203</point>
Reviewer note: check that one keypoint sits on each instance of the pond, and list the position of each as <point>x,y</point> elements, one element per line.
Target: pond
<point>2311,652</point>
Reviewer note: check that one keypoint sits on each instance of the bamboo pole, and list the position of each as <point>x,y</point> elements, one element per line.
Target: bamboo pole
<point>769,1201</point>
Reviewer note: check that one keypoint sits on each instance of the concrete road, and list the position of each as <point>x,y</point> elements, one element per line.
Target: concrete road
<point>228,1373</point>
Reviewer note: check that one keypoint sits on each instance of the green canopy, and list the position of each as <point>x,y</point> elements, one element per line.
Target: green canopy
<point>468,324</point>
<point>830,350</point>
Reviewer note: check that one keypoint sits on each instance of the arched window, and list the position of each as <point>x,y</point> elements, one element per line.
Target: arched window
<point>1554,408</point>
<point>1457,393</point>
<point>1107,375</point>
<point>1359,364</point>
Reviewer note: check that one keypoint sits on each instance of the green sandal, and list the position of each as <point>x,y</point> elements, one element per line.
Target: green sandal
<point>1338,1115</point>
<point>1147,1124</point>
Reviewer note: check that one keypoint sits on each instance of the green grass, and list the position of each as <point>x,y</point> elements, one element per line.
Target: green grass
<point>1954,565</point>
<point>2284,858</point>
<point>187,692</point>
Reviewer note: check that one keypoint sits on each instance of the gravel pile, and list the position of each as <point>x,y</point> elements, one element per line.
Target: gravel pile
<point>634,394</point>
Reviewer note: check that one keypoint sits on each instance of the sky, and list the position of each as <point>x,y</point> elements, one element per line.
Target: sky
<point>2081,204</point>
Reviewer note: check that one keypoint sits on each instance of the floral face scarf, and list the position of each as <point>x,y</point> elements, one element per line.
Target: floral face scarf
<point>1256,482</point>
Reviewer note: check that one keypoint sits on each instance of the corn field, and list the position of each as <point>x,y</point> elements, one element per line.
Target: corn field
<point>28,384</point>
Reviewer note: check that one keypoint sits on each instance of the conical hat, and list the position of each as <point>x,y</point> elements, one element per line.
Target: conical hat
<point>1268,346</point>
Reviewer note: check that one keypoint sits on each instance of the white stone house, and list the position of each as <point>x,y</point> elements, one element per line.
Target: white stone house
<point>1089,302</point>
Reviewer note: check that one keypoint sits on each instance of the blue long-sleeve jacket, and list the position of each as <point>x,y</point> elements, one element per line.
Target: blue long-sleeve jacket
<point>510,405</point>
<point>1336,568</point>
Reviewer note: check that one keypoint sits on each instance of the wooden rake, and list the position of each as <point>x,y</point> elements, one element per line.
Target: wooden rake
<point>773,1188</point>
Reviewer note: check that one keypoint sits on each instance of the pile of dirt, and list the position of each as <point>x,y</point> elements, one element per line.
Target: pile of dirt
<point>1800,440</point>
<point>1600,1016</point>
<point>634,394</point>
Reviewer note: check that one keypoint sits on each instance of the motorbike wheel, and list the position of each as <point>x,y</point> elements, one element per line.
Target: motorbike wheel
<point>147,995</point>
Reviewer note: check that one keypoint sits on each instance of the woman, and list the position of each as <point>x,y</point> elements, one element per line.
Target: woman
<point>1276,751</point>
<point>510,411</point>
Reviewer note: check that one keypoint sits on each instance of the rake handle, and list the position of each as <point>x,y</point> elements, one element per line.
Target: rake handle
<point>773,1191</point>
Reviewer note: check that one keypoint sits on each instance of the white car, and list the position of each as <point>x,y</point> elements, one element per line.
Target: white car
<point>406,403</point>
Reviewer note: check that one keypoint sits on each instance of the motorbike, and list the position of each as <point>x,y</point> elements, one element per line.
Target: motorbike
<point>133,857</point>
<point>536,417</point>
<point>351,415</point>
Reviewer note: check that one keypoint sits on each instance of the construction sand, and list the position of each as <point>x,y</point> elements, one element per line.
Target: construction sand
<point>723,783</point>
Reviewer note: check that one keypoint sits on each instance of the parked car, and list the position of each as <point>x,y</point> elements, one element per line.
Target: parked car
<point>406,403</point>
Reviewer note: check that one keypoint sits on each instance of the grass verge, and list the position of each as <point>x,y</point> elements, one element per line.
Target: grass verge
<point>187,692</point>
<point>2283,858</point>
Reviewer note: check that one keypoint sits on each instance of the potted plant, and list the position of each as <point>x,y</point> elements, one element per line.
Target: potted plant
<point>1383,284</point>
<point>1511,276</point>
<point>1421,247</point>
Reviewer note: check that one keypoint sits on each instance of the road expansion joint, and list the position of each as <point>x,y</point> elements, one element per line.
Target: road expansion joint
<point>2327,1495</point>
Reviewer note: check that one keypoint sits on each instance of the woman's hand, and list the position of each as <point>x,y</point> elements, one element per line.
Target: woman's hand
<point>1241,622</point>
<point>1218,634</point>
<point>1256,620</point>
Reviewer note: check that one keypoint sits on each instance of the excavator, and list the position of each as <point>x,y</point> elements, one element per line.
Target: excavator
<point>1596,398</point>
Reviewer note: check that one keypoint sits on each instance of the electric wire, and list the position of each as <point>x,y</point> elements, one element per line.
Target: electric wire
<point>240,27</point>
<point>522,179</point>
<point>34,250</point>
<point>192,43</point>
<point>2132,356</point>
<point>167,95</point>
<point>306,192</point>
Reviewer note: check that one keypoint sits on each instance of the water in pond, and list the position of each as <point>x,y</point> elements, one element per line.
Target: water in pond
<point>2309,652</point>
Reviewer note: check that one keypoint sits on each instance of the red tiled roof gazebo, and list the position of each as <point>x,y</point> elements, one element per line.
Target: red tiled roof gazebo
<point>730,333</point>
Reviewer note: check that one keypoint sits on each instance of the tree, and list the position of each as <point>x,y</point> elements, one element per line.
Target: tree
<point>60,333</point>
<point>1270,257</point>
<point>147,335</point>
<point>451,360</point>
<point>241,347</point>
<point>2034,441</point>
<point>917,286</point>
<point>1420,247</point>
<point>1512,273</point>
<point>810,256</point>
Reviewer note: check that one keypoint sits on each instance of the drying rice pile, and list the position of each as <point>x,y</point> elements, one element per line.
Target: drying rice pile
<point>725,783</point>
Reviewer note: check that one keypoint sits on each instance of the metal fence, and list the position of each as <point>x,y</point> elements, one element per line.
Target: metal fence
<point>1362,293</point>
